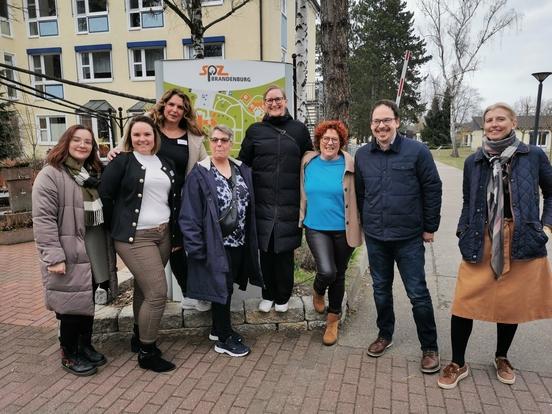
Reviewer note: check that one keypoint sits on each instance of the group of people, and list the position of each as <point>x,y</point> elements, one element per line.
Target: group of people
<point>222,221</point>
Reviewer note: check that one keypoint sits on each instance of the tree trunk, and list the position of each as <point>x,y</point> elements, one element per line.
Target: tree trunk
<point>334,30</point>
<point>301,38</point>
<point>454,152</point>
<point>196,28</point>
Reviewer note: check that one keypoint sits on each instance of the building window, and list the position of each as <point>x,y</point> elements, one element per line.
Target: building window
<point>284,55</point>
<point>145,14</point>
<point>92,16</point>
<point>50,129</point>
<point>42,16</point>
<point>47,64</point>
<point>5,28</point>
<point>283,7</point>
<point>213,47</point>
<point>543,138</point>
<point>99,125</point>
<point>204,3</point>
<point>94,63</point>
<point>9,59</point>
<point>142,56</point>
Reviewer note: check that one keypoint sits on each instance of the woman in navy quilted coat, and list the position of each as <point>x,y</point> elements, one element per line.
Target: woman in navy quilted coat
<point>505,276</point>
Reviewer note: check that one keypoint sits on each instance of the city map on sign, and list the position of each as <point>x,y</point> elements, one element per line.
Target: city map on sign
<point>227,92</point>
<point>237,109</point>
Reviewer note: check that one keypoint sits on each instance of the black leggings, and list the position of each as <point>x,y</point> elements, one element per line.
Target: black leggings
<point>460,331</point>
<point>278,269</point>
<point>71,327</point>
<point>179,267</point>
<point>331,253</point>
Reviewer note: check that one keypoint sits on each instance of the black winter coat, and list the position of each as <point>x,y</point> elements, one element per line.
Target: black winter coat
<point>275,159</point>
<point>529,170</point>
<point>203,241</point>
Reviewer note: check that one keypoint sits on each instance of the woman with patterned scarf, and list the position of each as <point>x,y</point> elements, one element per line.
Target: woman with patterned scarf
<point>505,276</point>
<point>71,243</point>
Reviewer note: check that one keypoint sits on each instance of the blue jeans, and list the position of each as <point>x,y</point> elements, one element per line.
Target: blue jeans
<point>409,255</point>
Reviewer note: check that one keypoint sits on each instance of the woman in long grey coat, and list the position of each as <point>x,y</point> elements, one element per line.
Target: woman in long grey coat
<point>69,236</point>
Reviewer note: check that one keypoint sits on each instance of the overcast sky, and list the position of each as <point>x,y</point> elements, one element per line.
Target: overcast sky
<point>507,61</point>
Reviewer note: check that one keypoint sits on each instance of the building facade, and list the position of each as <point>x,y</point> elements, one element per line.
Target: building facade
<point>113,44</point>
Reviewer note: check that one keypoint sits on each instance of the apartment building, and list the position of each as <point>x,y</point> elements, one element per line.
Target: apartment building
<point>113,44</point>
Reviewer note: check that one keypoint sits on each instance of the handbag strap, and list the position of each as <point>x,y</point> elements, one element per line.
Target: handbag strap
<point>280,131</point>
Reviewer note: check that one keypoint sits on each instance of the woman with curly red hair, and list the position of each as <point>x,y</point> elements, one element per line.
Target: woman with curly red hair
<point>330,216</point>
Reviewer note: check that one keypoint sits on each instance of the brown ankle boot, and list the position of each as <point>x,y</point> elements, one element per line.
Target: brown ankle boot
<point>330,335</point>
<point>318,302</point>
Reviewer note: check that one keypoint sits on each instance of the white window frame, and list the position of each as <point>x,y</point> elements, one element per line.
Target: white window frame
<point>93,122</point>
<point>11,74</point>
<point>45,82</point>
<point>188,51</point>
<point>141,9</point>
<point>5,22</point>
<point>205,3</point>
<point>284,54</point>
<point>132,63</point>
<point>40,19</point>
<point>81,66</point>
<point>283,7</point>
<point>543,135</point>
<point>89,15</point>
<point>48,129</point>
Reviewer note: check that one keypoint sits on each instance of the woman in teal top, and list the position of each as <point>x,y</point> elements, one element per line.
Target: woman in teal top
<point>330,217</point>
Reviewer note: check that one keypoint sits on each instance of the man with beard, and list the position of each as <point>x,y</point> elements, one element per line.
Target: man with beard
<point>399,197</point>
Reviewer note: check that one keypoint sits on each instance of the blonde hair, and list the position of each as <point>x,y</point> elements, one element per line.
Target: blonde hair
<point>501,105</point>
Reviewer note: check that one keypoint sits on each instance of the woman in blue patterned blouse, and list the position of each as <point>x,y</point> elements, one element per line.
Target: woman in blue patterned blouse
<point>217,220</point>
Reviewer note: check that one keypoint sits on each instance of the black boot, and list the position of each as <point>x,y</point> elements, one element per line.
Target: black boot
<point>87,351</point>
<point>135,341</point>
<point>75,364</point>
<point>148,358</point>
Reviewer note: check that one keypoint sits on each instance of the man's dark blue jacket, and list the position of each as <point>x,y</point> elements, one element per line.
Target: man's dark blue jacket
<point>398,191</point>
<point>529,170</point>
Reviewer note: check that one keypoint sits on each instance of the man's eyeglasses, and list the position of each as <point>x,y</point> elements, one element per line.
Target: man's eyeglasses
<point>222,140</point>
<point>327,140</point>
<point>271,101</point>
<point>386,121</point>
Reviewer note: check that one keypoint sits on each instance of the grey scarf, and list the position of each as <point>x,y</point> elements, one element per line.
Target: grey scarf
<point>499,153</point>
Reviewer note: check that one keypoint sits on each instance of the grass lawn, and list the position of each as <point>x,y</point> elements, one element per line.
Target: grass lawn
<point>443,155</point>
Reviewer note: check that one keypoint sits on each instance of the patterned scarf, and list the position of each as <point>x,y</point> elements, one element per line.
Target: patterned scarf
<point>93,213</point>
<point>499,153</point>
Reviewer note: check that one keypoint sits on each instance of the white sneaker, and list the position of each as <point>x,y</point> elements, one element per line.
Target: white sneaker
<point>281,308</point>
<point>203,306</point>
<point>189,303</point>
<point>199,305</point>
<point>265,305</point>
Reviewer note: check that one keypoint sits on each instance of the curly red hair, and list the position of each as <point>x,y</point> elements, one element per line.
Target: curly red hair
<point>334,124</point>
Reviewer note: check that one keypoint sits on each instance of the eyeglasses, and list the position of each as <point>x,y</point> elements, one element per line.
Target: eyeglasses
<point>386,121</point>
<point>78,140</point>
<point>327,140</point>
<point>277,100</point>
<point>216,140</point>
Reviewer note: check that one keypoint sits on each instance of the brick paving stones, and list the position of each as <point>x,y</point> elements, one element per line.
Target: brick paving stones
<point>287,371</point>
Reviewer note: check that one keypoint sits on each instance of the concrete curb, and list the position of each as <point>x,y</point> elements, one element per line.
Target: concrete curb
<point>111,321</point>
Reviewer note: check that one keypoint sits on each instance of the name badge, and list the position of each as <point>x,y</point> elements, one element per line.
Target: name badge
<point>182,141</point>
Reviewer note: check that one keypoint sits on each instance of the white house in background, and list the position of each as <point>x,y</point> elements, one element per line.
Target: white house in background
<point>471,133</point>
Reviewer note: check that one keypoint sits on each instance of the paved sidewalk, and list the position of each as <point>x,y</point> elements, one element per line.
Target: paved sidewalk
<point>286,372</point>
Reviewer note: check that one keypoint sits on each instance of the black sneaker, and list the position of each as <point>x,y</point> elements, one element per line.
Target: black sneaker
<point>232,347</point>
<point>214,337</point>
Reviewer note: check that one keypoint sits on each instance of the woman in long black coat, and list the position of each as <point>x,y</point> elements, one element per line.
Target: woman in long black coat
<point>273,149</point>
